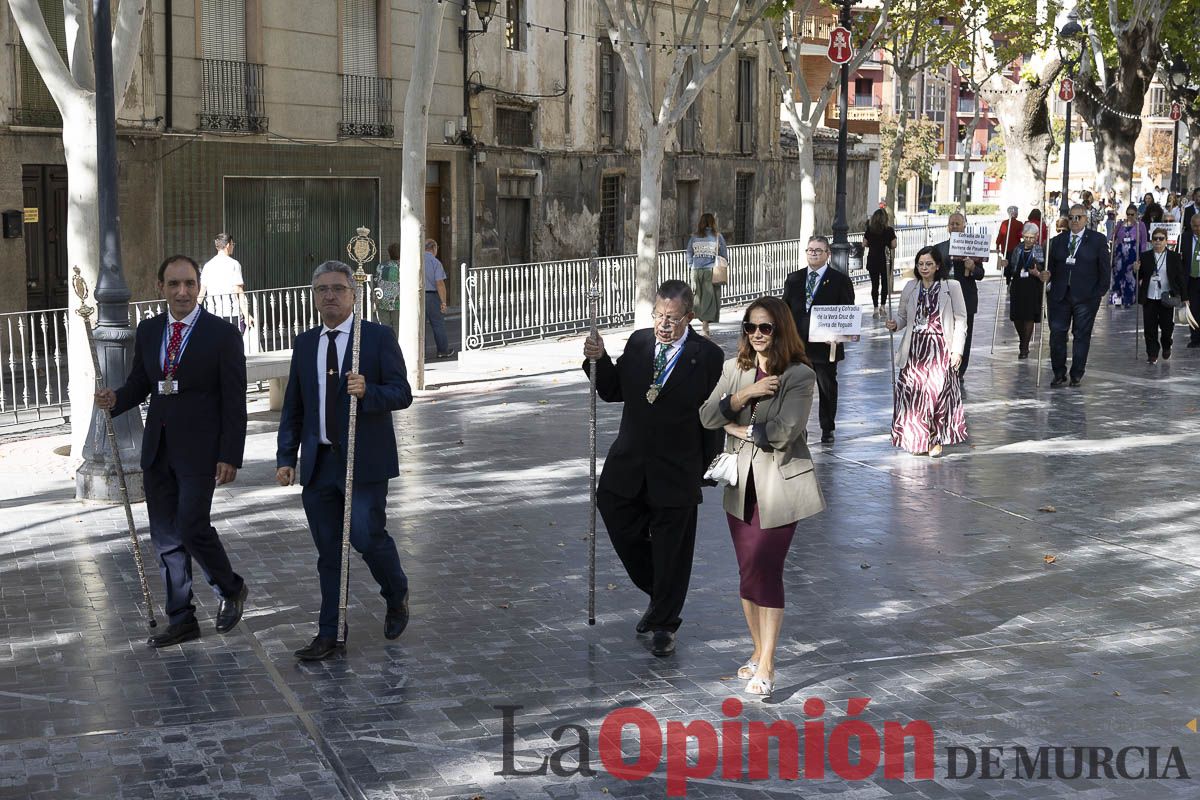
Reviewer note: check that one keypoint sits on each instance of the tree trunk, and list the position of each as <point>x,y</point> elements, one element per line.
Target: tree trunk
<point>1192,178</point>
<point>83,250</point>
<point>893,175</point>
<point>651,165</point>
<point>1028,138</point>
<point>411,300</point>
<point>1114,145</point>
<point>970,144</point>
<point>806,162</point>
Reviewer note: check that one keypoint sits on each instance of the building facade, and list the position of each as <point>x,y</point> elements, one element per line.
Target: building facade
<point>280,122</point>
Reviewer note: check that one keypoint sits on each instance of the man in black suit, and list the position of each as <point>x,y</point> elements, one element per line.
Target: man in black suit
<point>1189,253</point>
<point>315,423</point>
<point>650,485</point>
<point>968,274</point>
<point>194,371</point>
<point>1191,208</point>
<point>1079,272</point>
<point>820,285</point>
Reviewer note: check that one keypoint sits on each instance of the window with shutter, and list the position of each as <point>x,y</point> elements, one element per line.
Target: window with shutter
<point>366,98</point>
<point>36,106</point>
<point>231,96</point>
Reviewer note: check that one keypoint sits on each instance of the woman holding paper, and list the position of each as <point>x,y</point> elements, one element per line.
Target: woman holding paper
<point>928,410</point>
<point>763,400</point>
<point>1129,241</point>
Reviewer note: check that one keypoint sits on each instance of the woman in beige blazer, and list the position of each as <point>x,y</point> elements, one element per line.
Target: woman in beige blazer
<point>763,400</point>
<point>928,405</point>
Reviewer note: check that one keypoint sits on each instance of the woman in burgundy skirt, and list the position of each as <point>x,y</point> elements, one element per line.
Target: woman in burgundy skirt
<point>762,401</point>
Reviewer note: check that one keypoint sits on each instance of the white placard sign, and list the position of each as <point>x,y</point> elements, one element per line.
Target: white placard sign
<point>1172,229</point>
<point>974,242</point>
<point>834,324</point>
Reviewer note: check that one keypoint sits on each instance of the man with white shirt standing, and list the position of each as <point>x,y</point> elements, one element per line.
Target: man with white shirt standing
<point>191,366</point>
<point>820,285</point>
<point>315,424</point>
<point>650,486</point>
<point>222,285</point>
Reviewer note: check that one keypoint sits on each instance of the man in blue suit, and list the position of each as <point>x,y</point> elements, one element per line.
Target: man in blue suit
<point>194,372</point>
<point>315,421</point>
<point>1079,274</point>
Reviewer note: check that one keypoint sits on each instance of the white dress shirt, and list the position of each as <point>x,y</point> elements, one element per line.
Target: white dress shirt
<point>345,331</point>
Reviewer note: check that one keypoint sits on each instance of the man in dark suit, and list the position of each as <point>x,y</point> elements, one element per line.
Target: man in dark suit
<point>650,485</point>
<point>1190,209</point>
<point>968,274</point>
<point>1189,253</point>
<point>1079,272</point>
<point>820,285</point>
<point>315,421</point>
<point>194,372</point>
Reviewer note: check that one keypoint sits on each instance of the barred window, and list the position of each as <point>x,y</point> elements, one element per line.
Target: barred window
<point>611,243</point>
<point>514,127</point>
<point>743,208</point>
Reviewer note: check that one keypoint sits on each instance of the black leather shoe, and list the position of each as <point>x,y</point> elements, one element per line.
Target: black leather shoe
<point>643,626</point>
<point>826,437</point>
<point>1167,354</point>
<point>1059,380</point>
<point>663,643</point>
<point>319,649</point>
<point>176,634</point>
<point>1076,381</point>
<point>230,611</point>
<point>1152,360</point>
<point>1023,354</point>
<point>396,620</point>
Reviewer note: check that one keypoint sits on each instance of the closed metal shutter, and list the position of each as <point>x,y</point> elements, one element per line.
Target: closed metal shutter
<point>223,29</point>
<point>360,45</point>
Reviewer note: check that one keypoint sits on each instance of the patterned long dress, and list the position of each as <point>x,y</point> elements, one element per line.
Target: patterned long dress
<point>929,404</point>
<point>1128,243</point>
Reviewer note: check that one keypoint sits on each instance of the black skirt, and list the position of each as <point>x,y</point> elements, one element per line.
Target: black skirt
<point>1025,300</point>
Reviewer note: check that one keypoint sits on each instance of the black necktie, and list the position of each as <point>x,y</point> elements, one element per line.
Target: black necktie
<point>331,387</point>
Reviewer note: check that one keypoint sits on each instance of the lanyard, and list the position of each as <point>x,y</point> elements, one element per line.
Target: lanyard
<point>172,364</point>
<point>661,377</point>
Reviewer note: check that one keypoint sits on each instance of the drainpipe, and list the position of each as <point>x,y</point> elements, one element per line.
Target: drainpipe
<point>169,72</point>
<point>567,69</point>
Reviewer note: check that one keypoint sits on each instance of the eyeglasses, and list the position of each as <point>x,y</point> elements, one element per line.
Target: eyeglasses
<point>765,328</point>
<point>1078,216</point>
<point>672,321</point>
<point>815,251</point>
<point>338,289</point>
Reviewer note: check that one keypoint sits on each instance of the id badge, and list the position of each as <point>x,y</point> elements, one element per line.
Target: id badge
<point>168,386</point>
<point>1024,273</point>
<point>1071,260</point>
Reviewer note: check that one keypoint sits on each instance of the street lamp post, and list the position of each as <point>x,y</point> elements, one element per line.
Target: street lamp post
<point>484,9</point>
<point>1070,49</point>
<point>840,249</point>
<point>1178,77</point>
<point>97,479</point>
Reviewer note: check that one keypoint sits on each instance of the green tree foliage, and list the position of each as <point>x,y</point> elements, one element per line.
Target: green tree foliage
<point>920,146</point>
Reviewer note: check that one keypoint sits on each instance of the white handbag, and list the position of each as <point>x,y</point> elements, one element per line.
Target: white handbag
<point>724,468</point>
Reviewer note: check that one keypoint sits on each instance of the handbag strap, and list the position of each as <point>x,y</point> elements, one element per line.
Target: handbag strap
<point>742,442</point>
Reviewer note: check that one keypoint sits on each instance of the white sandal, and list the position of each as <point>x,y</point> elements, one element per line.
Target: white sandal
<point>760,686</point>
<point>747,670</point>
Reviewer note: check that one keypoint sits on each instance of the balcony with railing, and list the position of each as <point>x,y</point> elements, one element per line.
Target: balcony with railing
<point>866,111</point>
<point>366,107</point>
<point>231,97</point>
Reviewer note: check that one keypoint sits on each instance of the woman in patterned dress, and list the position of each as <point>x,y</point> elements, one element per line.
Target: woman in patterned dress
<point>928,405</point>
<point>1129,241</point>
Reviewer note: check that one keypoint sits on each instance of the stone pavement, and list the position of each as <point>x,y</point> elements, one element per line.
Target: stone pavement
<point>924,587</point>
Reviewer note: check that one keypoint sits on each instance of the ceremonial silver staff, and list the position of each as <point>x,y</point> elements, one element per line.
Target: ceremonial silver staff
<point>594,309</point>
<point>891,268</point>
<point>999,298</point>
<point>1042,332</point>
<point>85,311</point>
<point>361,250</point>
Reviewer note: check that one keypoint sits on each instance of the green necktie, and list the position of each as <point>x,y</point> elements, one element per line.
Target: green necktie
<point>660,362</point>
<point>810,289</point>
<point>1074,244</point>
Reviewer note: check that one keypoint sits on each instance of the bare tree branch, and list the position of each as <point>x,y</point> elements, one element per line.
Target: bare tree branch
<point>126,45</point>
<point>79,43</point>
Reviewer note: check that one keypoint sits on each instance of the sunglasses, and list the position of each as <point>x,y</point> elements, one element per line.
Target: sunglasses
<point>1159,239</point>
<point>765,328</point>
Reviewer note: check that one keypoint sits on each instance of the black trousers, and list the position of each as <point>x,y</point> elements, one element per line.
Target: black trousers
<point>1159,322</point>
<point>827,394</point>
<point>178,507</point>
<point>655,544</point>
<point>966,356</point>
<point>1194,300</point>
<point>1078,318</point>
<point>879,284</point>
